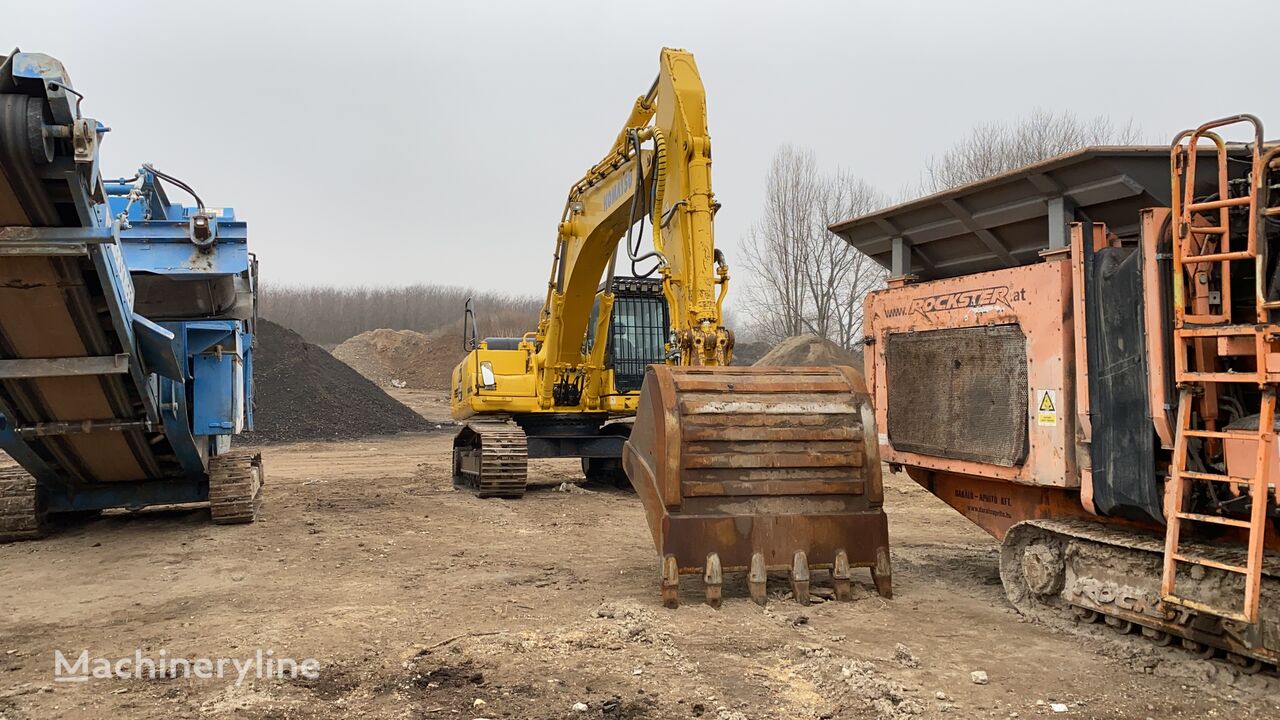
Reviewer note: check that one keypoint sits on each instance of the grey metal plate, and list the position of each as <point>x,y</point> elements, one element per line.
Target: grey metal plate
<point>959,393</point>
<point>1005,221</point>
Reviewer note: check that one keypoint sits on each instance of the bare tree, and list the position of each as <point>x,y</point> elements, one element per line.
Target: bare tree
<point>996,147</point>
<point>804,279</point>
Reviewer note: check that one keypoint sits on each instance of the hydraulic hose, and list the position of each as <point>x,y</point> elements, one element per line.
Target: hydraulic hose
<point>638,214</point>
<point>176,182</point>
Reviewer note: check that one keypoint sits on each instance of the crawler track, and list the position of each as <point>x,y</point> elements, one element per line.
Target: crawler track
<point>605,471</point>
<point>21,514</point>
<point>491,459</point>
<point>1114,575</point>
<point>235,487</point>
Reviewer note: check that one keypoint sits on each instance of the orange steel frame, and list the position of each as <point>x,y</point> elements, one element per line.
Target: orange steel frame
<point>1047,301</point>
<point>1153,221</point>
<point>1036,297</point>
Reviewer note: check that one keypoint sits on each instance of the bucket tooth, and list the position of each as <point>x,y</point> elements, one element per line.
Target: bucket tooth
<point>840,576</point>
<point>670,582</point>
<point>882,574</point>
<point>800,578</point>
<point>755,463</point>
<point>713,579</point>
<point>757,577</point>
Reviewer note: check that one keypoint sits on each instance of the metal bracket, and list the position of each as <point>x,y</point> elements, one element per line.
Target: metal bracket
<point>84,139</point>
<point>47,241</point>
<point>82,427</point>
<point>23,368</point>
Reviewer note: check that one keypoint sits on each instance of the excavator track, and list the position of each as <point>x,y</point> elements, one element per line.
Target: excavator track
<point>491,459</point>
<point>235,487</point>
<point>606,472</point>
<point>21,514</point>
<point>1113,575</point>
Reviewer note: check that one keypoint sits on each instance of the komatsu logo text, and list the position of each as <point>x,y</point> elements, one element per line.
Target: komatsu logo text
<point>620,188</point>
<point>992,298</point>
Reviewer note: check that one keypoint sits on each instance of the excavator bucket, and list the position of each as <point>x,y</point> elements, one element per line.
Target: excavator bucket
<point>759,469</point>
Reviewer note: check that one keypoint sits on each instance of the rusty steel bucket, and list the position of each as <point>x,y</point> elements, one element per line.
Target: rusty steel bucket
<point>759,469</point>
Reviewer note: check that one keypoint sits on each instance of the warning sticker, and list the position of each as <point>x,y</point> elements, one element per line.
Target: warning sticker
<point>1047,408</point>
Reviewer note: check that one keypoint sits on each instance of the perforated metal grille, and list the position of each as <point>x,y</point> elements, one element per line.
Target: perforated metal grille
<point>959,393</point>
<point>637,336</point>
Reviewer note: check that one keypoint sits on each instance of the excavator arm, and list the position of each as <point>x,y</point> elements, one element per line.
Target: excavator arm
<point>658,172</point>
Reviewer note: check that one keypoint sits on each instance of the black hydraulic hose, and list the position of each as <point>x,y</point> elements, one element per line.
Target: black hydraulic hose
<point>634,249</point>
<point>635,198</point>
<point>176,182</point>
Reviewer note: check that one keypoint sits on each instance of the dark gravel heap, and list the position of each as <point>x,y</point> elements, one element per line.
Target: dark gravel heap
<point>304,393</point>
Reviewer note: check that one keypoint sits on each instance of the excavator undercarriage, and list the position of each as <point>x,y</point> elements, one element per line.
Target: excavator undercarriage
<point>491,459</point>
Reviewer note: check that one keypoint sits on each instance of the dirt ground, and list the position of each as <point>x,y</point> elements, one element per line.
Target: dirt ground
<point>421,602</point>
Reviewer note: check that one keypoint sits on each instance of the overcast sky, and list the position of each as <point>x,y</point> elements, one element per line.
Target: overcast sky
<point>381,142</point>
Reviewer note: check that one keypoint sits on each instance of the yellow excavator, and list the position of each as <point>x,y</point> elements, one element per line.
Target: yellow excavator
<point>738,468</point>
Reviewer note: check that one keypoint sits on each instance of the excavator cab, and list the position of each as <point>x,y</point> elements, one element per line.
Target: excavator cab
<point>638,330</point>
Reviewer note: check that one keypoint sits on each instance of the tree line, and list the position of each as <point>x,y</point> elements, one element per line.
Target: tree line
<point>327,315</point>
<point>803,279</point>
<point>800,278</point>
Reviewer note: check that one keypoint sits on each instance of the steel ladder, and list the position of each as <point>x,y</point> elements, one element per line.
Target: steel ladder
<point>1198,245</point>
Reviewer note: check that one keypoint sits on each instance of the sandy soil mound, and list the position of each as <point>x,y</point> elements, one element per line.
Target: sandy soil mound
<point>304,393</point>
<point>809,350</point>
<point>401,358</point>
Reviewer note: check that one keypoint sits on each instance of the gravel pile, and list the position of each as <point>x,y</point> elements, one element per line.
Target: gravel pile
<point>304,393</point>
<point>802,350</point>
<point>401,358</point>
